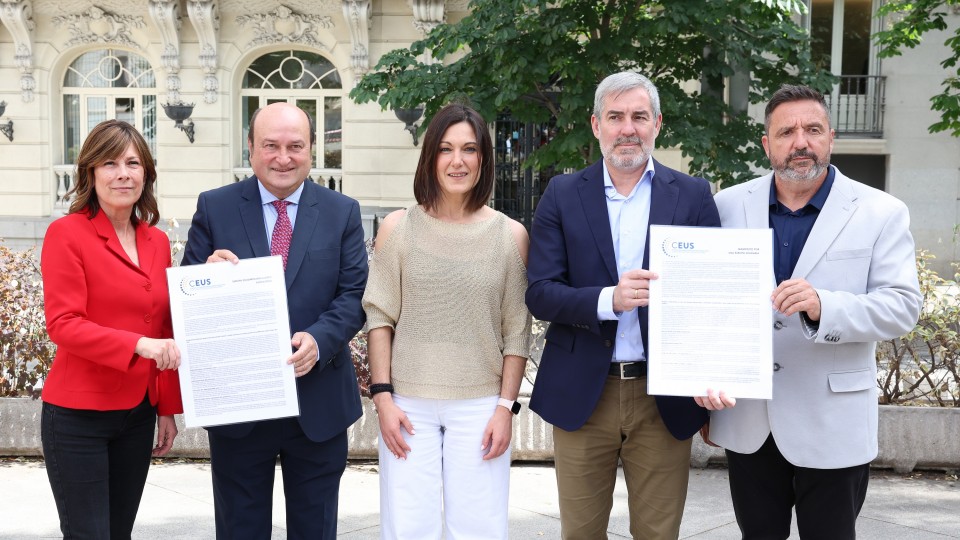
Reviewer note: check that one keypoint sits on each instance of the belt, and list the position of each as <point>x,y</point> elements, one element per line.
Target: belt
<point>628,370</point>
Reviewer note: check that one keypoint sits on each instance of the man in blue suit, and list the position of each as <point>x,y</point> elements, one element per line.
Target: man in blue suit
<point>326,271</point>
<point>587,276</point>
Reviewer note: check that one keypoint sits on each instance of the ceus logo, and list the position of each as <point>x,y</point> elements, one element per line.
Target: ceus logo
<point>671,247</point>
<point>190,286</point>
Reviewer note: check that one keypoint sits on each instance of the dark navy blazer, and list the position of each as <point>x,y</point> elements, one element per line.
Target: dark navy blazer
<point>571,260</point>
<point>325,276</point>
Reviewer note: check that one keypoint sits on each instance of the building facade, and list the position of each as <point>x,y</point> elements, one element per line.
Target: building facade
<point>66,65</point>
<point>881,112</point>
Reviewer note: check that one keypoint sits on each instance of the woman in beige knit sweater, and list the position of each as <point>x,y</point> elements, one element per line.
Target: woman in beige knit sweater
<point>448,340</point>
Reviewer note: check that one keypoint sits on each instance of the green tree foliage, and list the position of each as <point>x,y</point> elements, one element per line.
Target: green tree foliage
<point>541,61</point>
<point>911,19</point>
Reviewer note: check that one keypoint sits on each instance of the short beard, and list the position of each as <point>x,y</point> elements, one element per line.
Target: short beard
<point>629,161</point>
<point>787,173</point>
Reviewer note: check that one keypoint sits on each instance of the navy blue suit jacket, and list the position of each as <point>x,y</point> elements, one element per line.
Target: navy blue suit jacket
<point>325,276</point>
<point>571,260</point>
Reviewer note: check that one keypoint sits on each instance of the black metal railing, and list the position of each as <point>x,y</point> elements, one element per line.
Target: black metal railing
<point>517,189</point>
<point>857,106</point>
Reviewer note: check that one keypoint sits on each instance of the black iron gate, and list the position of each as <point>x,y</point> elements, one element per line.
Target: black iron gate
<point>516,190</point>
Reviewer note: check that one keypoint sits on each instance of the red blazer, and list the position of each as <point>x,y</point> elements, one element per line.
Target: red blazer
<point>98,304</point>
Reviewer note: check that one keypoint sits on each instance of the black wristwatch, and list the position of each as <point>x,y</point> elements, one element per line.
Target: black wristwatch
<point>512,406</point>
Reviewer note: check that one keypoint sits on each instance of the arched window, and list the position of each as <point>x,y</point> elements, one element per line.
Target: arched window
<point>103,85</point>
<point>306,80</point>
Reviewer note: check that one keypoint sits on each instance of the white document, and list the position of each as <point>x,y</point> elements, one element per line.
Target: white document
<point>231,324</point>
<point>711,319</point>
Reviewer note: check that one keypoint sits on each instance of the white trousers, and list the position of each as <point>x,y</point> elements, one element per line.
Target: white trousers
<point>444,485</point>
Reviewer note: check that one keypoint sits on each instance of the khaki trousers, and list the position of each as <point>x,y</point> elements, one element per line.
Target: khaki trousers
<point>626,426</point>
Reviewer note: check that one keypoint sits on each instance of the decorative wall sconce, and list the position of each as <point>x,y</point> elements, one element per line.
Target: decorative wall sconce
<point>6,129</point>
<point>180,112</point>
<point>409,117</point>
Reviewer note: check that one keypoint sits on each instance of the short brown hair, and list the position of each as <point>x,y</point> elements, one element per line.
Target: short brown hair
<point>109,140</point>
<point>426,185</point>
<point>789,93</point>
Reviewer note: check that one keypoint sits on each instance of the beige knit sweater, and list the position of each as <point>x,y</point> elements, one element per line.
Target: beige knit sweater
<point>454,296</point>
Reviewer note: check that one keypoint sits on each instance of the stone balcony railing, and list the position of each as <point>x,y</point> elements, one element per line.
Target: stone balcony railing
<point>63,178</point>
<point>63,181</point>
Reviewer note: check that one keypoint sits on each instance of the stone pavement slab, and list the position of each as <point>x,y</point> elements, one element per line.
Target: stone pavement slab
<point>178,504</point>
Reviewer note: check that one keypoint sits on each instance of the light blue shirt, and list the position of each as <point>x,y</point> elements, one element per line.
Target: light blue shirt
<point>629,216</point>
<point>270,211</point>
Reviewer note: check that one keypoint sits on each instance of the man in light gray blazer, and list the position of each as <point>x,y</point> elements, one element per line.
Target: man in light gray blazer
<point>846,278</point>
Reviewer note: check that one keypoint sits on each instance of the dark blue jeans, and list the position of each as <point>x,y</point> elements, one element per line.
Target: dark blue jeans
<point>97,464</point>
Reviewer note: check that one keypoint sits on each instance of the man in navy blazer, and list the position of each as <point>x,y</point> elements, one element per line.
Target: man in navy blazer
<point>326,271</point>
<point>587,276</point>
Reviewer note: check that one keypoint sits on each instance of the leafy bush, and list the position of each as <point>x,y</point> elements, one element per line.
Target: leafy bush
<point>920,368</point>
<point>358,351</point>
<point>538,334</point>
<point>176,244</point>
<point>923,367</point>
<point>26,351</point>
<point>358,345</point>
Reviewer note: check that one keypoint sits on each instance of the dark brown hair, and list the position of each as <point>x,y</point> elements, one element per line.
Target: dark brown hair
<point>789,93</point>
<point>426,185</point>
<point>108,141</point>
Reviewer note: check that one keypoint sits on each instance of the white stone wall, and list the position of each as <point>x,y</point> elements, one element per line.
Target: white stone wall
<point>379,158</point>
<point>923,169</point>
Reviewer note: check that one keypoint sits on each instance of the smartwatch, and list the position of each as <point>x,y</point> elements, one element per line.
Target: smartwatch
<point>510,405</point>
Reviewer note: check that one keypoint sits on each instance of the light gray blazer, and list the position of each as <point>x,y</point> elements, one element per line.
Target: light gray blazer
<point>860,258</point>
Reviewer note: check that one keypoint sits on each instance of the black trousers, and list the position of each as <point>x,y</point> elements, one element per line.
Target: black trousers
<point>243,475</point>
<point>765,487</point>
<point>97,463</point>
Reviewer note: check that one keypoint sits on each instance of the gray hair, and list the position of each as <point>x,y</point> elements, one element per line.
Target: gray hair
<point>624,81</point>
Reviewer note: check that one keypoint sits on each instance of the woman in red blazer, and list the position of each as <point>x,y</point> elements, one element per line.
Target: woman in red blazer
<point>108,311</point>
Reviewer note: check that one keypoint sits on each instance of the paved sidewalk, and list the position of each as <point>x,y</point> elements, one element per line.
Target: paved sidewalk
<point>178,504</point>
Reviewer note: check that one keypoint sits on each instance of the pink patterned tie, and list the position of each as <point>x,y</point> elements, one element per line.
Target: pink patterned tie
<point>282,232</point>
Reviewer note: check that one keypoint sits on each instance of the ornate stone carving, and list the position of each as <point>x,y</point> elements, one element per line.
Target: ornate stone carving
<point>99,26</point>
<point>359,17</point>
<point>317,7</point>
<point>48,8</point>
<point>166,15</point>
<point>284,25</point>
<point>17,16</point>
<point>427,14</point>
<point>205,17</point>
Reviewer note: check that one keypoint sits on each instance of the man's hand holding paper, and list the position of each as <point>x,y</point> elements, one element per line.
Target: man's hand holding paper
<point>710,314</point>
<point>231,324</point>
<point>633,290</point>
<point>796,295</point>
<point>305,354</point>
